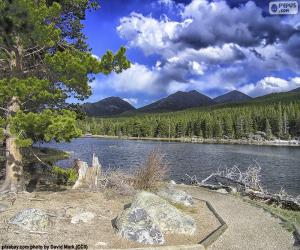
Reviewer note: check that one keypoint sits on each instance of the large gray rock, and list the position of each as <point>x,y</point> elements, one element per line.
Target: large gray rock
<point>31,219</point>
<point>135,224</point>
<point>176,196</point>
<point>168,218</point>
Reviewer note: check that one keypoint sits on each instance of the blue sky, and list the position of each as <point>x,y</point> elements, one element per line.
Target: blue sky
<point>211,46</point>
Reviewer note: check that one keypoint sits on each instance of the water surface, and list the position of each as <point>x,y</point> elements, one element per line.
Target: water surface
<point>280,165</point>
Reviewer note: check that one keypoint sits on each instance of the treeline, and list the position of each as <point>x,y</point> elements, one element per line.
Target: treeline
<point>234,122</point>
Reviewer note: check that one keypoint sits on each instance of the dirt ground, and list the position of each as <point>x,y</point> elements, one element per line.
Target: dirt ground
<point>96,234</point>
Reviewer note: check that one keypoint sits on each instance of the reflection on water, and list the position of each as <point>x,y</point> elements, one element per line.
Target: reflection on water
<point>280,165</point>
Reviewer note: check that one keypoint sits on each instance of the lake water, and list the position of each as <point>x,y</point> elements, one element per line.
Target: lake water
<point>280,165</point>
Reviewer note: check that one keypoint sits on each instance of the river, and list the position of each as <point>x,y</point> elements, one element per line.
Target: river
<point>280,165</point>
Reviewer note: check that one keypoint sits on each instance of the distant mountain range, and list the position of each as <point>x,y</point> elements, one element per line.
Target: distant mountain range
<point>178,101</point>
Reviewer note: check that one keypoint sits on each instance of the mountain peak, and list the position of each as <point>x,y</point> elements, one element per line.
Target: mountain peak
<point>233,96</point>
<point>112,105</point>
<point>178,101</point>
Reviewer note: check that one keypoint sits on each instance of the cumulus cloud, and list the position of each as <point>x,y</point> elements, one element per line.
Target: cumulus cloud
<point>211,46</point>
<point>271,84</point>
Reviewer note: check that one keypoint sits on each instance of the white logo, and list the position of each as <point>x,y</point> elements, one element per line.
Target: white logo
<point>283,7</point>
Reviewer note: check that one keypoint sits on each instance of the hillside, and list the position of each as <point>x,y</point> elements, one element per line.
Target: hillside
<point>178,101</point>
<point>107,107</point>
<point>232,97</point>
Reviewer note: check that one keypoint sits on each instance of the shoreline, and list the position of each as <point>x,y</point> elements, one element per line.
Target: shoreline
<point>290,143</point>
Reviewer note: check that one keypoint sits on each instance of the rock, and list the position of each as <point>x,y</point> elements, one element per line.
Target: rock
<point>172,182</point>
<point>233,190</point>
<point>101,244</point>
<point>222,191</point>
<point>168,218</point>
<point>31,219</point>
<point>3,207</point>
<point>84,217</point>
<point>135,224</point>
<point>176,196</point>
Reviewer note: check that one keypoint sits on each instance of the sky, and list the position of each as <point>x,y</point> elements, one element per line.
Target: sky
<point>210,46</point>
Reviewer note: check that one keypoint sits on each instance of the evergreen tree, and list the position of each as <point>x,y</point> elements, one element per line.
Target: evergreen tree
<point>44,60</point>
<point>197,128</point>
<point>179,130</point>
<point>297,127</point>
<point>268,130</point>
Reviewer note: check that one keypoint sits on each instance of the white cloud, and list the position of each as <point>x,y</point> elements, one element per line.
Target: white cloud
<point>132,101</point>
<point>175,86</point>
<point>211,46</point>
<point>138,78</point>
<point>151,35</point>
<point>271,84</point>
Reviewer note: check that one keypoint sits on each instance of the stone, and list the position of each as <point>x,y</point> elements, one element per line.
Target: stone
<point>31,219</point>
<point>135,224</point>
<point>222,191</point>
<point>3,207</point>
<point>101,244</point>
<point>172,182</point>
<point>82,217</point>
<point>176,196</point>
<point>168,218</point>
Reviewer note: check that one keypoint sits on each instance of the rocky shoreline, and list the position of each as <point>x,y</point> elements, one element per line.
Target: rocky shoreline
<point>277,142</point>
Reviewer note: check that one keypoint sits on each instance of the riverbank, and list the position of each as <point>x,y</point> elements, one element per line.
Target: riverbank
<point>292,143</point>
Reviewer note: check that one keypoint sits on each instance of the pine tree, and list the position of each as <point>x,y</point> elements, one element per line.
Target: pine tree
<point>179,129</point>
<point>297,127</point>
<point>268,130</point>
<point>44,60</point>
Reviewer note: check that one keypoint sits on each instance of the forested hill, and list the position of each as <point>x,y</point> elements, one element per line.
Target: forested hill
<point>273,116</point>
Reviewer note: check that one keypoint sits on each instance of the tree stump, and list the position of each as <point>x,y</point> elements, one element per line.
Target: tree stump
<point>88,176</point>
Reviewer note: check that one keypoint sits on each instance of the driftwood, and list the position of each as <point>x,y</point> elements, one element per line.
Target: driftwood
<point>88,176</point>
<point>242,185</point>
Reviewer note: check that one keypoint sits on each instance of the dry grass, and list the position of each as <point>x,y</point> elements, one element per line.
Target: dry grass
<point>152,172</point>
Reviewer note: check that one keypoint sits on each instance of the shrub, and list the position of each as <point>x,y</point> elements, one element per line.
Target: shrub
<point>118,181</point>
<point>65,176</point>
<point>152,172</point>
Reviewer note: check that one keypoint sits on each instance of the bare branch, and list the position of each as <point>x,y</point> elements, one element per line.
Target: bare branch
<point>35,52</point>
<point>4,109</point>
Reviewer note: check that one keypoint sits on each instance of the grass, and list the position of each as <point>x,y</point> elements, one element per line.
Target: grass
<point>183,208</point>
<point>289,217</point>
<point>47,155</point>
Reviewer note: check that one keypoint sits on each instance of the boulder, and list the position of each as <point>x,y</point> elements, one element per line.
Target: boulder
<point>176,196</point>
<point>135,224</point>
<point>82,217</point>
<point>168,218</point>
<point>31,219</point>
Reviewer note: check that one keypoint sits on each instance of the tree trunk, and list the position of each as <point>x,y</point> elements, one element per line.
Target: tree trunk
<point>14,168</point>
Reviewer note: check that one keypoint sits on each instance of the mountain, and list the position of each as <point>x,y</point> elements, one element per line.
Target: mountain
<point>233,97</point>
<point>295,90</point>
<point>178,101</point>
<point>107,107</point>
